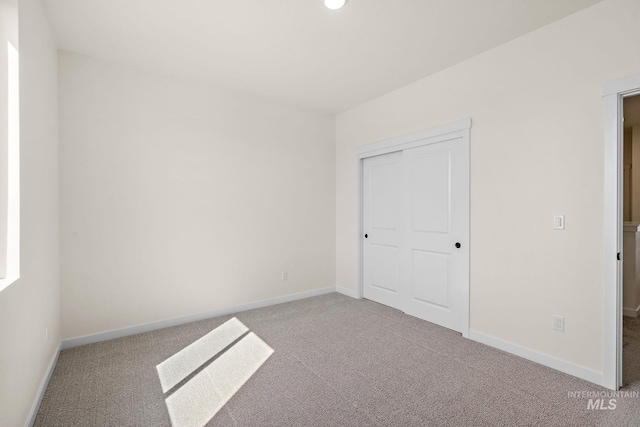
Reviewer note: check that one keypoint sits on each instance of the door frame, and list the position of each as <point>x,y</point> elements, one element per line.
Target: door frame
<point>613,94</point>
<point>459,129</point>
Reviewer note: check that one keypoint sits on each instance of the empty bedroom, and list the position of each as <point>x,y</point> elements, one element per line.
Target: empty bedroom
<point>319,212</point>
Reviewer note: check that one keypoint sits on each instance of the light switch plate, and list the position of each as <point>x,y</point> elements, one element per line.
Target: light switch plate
<point>558,222</point>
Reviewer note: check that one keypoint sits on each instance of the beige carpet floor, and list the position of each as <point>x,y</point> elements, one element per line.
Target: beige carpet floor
<point>336,361</point>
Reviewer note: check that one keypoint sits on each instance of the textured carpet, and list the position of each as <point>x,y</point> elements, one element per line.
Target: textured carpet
<point>336,361</point>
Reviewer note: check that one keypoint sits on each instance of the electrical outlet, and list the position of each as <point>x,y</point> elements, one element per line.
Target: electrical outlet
<point>558,323</point>
<point>285,275</point>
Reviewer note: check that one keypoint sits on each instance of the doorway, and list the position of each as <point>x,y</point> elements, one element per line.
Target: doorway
<point>631,241</point>
<point>614,94</point>
<point>413,243</point>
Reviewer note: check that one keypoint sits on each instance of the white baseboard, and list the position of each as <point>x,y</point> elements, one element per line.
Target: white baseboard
<point>347,292</point>
<point>630,312</point>
<point>541,358</point>
<point>118,333</point>
<point>43,387</point>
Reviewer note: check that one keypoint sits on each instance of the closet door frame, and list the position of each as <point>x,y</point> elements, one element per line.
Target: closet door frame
<point>460,129</point>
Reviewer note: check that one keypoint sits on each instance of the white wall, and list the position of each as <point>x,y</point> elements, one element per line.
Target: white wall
<point>535,102</point>
<point>178,198</point>
<point>31,304</point>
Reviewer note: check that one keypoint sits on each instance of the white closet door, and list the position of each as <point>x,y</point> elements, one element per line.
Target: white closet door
<point>382,236</point>
<point>416,231</point>
<point>435,219</point>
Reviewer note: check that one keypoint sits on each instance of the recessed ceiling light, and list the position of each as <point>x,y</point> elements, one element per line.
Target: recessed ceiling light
<point>334,4</point>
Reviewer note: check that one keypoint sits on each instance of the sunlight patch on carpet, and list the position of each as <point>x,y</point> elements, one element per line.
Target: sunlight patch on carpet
<point>197,401</point>
<point>201,378</point>
<point>182,364</point>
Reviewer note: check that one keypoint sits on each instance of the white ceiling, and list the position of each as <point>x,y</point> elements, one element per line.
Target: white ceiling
<point>297,51</point>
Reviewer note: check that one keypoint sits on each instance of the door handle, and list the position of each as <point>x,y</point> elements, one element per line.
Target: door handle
<point>366,236</point>
<point>458,245</point>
